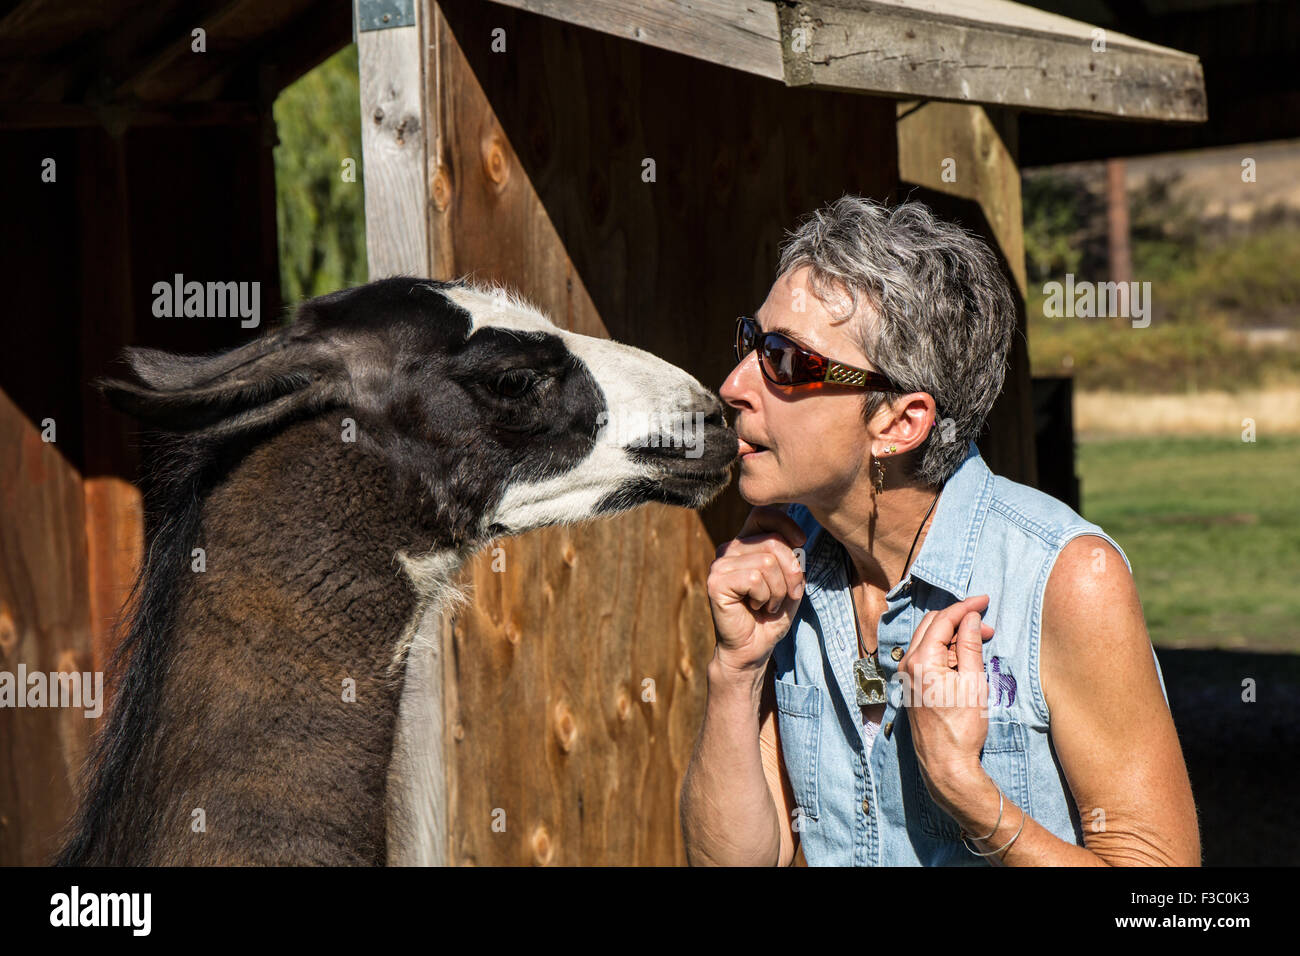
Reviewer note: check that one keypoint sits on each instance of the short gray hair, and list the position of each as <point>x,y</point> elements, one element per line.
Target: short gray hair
<point>946,315</point>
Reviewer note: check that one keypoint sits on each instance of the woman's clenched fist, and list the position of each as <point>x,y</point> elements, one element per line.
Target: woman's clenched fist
<point>755,586</point>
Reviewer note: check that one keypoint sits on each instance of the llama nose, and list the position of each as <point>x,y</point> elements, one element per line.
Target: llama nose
<point>713,409</point>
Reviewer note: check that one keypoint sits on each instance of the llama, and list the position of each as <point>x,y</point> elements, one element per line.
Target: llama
<point>315,494</point>
<point>1002,686</point>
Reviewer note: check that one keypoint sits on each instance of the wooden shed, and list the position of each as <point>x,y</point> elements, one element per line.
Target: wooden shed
<point>628,166</point>
<point>631,167</point>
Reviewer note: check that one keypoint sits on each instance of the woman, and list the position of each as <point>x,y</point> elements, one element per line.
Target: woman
<point>918,662</point>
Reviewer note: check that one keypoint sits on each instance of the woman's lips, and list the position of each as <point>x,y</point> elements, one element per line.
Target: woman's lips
<point>748,451</point>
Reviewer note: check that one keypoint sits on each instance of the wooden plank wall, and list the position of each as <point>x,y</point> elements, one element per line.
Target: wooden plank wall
<point>44,625</point>
<point>535,169</point>
<point>129,207</point>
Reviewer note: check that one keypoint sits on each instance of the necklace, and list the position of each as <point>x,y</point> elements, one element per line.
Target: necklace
<point>868,678</point>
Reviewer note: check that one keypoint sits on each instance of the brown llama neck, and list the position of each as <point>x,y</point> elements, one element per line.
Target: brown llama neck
<point>258,727</point>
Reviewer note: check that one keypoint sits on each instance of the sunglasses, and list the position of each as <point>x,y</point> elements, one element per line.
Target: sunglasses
<point>786,363</point>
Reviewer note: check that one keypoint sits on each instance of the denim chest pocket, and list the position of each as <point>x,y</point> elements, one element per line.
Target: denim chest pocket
<point>799,717</point>
<point>1005,758</point>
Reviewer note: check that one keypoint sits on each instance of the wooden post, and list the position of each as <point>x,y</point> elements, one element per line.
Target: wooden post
<point>1117,222</point>
<point>392,138</point>
<point>968,153</point>
<point>393,116</point>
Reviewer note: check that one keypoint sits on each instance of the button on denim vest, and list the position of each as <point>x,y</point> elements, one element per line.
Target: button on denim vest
<point>871,808</point>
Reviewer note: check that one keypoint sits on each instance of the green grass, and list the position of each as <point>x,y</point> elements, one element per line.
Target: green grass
<point>1212,529</point>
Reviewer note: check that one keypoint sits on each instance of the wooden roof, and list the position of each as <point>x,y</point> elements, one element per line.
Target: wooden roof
<point>76,62</point>
<point>976,51</point>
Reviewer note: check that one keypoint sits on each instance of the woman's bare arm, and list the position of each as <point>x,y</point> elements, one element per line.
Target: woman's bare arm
<point>731,813</point>
<point>778,782</point>
<point>735,804</point>
<point>1111,727</point>
<point>1113,732</point>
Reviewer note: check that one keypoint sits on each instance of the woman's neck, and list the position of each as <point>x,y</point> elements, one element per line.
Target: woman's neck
<point>878,530</point>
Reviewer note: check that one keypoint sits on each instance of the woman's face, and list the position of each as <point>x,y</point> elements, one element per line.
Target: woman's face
<point>815,445</point>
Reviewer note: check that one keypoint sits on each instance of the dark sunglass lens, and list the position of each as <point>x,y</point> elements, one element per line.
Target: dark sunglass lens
<point>781,359</point>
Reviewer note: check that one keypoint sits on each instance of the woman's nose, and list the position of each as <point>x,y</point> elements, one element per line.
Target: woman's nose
<point>736,385</point>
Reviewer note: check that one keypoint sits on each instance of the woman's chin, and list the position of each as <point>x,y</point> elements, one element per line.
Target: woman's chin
<point>757,492</point>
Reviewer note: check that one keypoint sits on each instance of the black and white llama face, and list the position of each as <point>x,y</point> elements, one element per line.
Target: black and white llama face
<point>507,421</point>
<point>590,426</point>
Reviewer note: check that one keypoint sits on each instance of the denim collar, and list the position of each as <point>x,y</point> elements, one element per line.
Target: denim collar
<point>948,552</point>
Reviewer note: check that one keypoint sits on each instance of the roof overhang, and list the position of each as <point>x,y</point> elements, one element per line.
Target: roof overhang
<point>992,52</point>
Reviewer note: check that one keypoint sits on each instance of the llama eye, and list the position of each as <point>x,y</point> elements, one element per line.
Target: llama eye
<point>514,383</point>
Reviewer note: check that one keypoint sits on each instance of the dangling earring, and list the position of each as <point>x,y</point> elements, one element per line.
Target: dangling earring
<point>880,469</point>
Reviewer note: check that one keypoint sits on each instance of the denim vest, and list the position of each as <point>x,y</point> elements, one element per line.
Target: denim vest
<point>858,808</point>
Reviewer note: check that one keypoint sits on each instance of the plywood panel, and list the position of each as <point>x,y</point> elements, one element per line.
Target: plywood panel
<point>536,161</point>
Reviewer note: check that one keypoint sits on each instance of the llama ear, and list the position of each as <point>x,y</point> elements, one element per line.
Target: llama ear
<point>249,387</point>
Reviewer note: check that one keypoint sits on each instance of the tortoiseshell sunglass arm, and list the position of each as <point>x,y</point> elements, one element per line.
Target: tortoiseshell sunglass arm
<point>840,374</point>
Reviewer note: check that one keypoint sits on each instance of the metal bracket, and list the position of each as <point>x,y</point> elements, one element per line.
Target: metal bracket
<point>384,14</point>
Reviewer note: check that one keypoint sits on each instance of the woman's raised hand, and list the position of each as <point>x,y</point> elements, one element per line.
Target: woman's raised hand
<point>755,586</point>
<point>945,692</point>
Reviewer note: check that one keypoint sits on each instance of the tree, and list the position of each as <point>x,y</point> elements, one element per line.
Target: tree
<point>320,205</point>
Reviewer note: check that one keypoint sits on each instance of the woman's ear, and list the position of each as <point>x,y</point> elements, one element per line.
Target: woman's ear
<point>906,421</point>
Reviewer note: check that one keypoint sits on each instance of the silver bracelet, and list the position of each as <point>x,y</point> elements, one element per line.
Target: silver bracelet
<point>1003,846</point>
<point>964,834</point>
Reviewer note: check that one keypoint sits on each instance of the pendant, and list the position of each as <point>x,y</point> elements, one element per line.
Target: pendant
<point>869,681</point>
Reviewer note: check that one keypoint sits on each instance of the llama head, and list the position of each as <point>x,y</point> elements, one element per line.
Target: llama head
<point>502,420</point>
